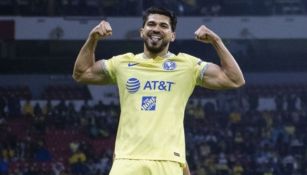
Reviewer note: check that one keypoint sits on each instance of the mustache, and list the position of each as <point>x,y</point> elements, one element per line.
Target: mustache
<point>155,33</point>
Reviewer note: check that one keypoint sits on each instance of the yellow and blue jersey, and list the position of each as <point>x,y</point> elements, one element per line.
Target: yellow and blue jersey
<point>153,95</point>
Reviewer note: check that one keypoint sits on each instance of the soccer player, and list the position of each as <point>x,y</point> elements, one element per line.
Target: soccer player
<point>154,87</point>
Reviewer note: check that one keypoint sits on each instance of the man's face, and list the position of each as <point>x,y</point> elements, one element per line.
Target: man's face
<point>157,33</point>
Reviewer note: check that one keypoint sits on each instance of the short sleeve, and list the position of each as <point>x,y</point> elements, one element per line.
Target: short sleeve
<point>109,68</point>
<point>198,67</point>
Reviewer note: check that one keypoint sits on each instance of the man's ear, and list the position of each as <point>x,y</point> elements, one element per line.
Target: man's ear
<point>141,32</point>
<point>173,36</point>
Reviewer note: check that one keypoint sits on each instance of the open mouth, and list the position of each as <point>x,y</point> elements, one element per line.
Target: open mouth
<point>155,38</point>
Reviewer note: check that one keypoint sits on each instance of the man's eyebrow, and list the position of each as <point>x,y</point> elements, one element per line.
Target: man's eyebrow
<point>165,23</point>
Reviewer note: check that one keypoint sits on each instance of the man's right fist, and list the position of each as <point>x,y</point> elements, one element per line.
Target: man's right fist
<point>102,30</point>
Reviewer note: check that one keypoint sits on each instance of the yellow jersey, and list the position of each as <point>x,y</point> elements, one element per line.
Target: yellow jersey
<point>153,94</point>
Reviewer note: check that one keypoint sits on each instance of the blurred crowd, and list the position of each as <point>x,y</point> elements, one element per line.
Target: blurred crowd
<point>235,138</point>
<point>227,135</point>
<point>56,139</point>
<point>135,7</point>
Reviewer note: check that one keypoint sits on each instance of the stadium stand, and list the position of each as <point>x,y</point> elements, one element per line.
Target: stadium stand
<point>181,7</point>
<point>222,135</point>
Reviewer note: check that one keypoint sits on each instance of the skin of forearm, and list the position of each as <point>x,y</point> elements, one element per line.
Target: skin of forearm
<point>228,63</point>
<point>85,58</point>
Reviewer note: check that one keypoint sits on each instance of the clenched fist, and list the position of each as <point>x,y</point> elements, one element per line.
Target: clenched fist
<point>206,35</point>
<point>102,30</point>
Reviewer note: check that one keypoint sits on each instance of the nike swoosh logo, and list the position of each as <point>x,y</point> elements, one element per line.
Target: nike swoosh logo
<point>132,64</point>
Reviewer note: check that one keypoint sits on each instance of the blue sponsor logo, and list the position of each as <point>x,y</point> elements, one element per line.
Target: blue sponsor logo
<point>169,65</point>
<point>158,85</point>
<point>149,103</point>
<point>133,85</point>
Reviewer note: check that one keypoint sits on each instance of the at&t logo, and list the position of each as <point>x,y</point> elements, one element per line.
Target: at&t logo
<point>133,85</point>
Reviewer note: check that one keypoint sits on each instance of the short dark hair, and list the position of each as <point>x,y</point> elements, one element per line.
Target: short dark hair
<point>161,11</point>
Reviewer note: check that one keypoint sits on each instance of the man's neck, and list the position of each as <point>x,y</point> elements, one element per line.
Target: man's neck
<point>149,55</point>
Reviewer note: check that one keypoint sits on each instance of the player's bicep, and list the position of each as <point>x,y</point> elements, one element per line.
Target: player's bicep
<point>215,78</point>
<point>95,74</point>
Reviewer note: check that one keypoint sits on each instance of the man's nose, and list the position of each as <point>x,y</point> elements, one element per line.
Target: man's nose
<point>156,28</point>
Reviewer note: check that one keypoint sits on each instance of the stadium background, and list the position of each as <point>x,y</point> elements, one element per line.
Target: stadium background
<point>51,125</point>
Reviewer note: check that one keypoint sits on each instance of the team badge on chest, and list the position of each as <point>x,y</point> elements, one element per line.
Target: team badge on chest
<point>169,65</point>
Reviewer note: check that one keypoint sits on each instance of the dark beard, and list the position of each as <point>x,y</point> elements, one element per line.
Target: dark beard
<point>155,50</point>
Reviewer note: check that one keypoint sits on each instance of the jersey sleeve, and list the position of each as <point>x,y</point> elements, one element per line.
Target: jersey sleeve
<point>200,70</point>
<point>111,66</point>
<point>198,67</point>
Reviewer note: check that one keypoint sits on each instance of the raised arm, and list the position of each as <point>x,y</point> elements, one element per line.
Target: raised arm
<point>86,70</point>
<point>186,170</point>
<point>228,74</point>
